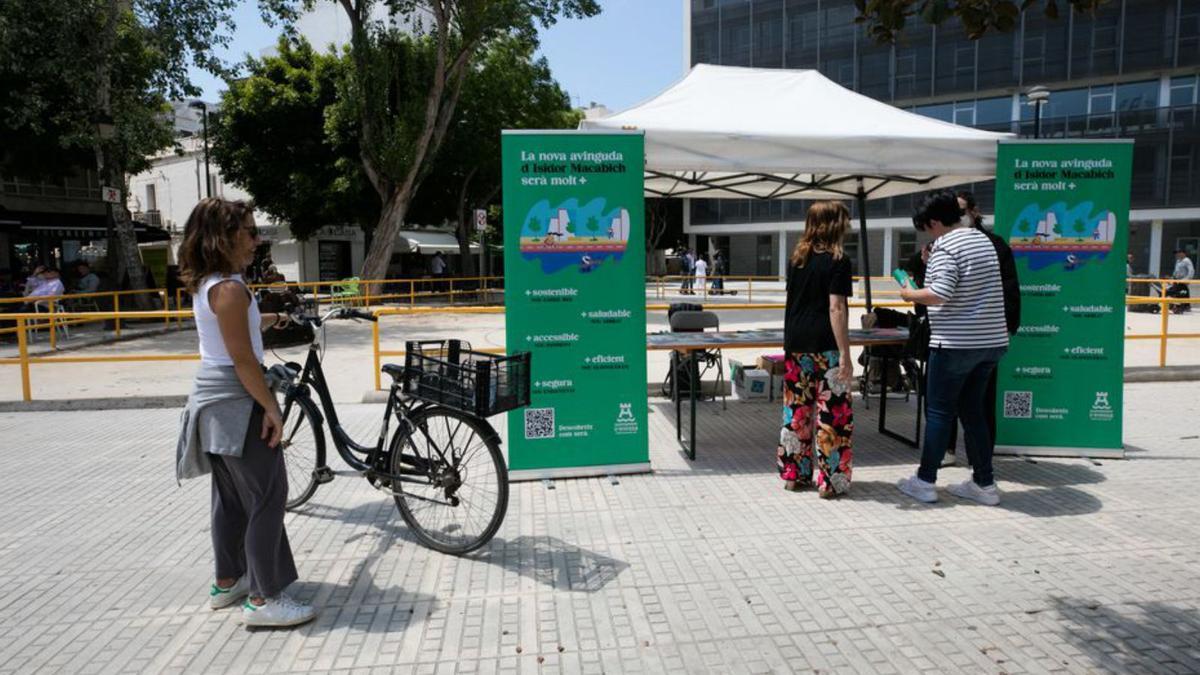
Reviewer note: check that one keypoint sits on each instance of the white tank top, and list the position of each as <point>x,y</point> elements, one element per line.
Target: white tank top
<point>212,345</point>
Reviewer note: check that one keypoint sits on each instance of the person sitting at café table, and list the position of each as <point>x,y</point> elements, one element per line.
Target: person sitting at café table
<point>87,281</point>
<point>48,284</point>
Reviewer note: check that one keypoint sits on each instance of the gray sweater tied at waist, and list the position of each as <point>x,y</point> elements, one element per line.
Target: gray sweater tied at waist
<point>215,420</point>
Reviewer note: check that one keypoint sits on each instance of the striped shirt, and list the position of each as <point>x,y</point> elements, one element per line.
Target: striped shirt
<point>965,272</point>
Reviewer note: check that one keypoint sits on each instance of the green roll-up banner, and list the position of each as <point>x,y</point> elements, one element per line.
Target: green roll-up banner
<point>1063,207</point>
<point>574,288</point>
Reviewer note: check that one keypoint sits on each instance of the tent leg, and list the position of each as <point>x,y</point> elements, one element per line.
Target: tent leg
<point>864,253</point>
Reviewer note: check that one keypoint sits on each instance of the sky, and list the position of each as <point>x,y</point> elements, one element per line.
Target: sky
<point>628,53</point>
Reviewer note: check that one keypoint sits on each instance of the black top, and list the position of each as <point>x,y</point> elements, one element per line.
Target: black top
<point>1009,280</point>
<point>806,327</point>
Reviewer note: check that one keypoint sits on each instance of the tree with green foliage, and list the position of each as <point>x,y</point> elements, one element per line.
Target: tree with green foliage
<point>278,139</point>
<point>885,19</point>
<point>593,226</point>
<point>401,126</point>
<point>91,78</point>
<point>506,88</point>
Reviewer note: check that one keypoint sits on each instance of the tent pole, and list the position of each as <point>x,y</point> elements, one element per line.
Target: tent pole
<point>862,241</point>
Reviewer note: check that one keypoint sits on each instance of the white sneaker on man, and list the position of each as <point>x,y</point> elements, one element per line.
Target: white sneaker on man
<point>968,489</point>
<point>277,612</point>
<point>918,489</point>
<point>220,598</point>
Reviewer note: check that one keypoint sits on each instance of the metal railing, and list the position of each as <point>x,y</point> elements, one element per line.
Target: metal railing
<point>25,322</point>
<point>57,314</point>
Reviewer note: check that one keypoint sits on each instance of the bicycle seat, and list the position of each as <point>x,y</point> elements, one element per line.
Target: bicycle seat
<point>394,369</point>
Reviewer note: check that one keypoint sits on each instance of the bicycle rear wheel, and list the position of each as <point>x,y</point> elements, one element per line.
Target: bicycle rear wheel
<point>463,494</point>
<point>303,448</point>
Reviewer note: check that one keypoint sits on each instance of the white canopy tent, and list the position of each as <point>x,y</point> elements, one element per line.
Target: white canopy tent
<point>737,133</point>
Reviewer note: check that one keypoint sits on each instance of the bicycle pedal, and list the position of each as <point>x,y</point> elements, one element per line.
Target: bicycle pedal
<point>323,474</point>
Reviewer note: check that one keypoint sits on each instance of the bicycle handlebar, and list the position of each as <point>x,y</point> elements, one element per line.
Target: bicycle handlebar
<point>297,315</point>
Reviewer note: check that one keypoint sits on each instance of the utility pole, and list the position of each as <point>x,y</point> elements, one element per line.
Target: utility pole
<point>203,108</point>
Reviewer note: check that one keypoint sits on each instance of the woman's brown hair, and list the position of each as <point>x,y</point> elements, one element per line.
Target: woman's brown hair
<point>210,240</point>
<point>824,229</point>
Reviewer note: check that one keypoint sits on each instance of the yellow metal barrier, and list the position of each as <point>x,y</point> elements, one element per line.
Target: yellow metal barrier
<point>24,360</point>
<point>27,321</point>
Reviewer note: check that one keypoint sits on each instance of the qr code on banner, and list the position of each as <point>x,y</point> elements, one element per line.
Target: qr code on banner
<point>1018,404</point>
<point>539,423</point>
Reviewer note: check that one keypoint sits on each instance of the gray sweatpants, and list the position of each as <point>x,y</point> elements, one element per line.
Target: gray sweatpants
<point>248,497</point>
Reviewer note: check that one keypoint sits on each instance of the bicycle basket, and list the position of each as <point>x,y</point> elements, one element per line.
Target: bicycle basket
<point>449,373</point>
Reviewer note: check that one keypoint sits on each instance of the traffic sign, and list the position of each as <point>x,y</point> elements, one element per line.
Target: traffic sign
<point>480,220</point>
<point>110,194</point>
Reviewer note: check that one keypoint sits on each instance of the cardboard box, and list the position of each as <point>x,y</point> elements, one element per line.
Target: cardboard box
<point>756,385</point>
<point>775,364</point>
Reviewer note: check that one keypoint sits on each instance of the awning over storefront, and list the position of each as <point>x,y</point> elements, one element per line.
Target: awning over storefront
<point>428,242</point>
<point>72,226</point>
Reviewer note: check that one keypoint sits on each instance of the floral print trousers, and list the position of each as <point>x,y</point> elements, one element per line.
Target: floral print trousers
<point>816,412</point>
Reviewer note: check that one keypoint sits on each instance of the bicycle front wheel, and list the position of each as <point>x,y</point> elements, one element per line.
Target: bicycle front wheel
<point>459,494</point>
<point>303,448</point>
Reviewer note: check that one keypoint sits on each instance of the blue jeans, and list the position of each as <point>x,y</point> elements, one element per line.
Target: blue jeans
<point>957,389</point>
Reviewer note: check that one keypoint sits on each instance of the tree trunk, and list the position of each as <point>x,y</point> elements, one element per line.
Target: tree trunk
<point>465,223</point>
<point>391,219</point>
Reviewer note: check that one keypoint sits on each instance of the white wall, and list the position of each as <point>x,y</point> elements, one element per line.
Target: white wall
<point>178,182</point>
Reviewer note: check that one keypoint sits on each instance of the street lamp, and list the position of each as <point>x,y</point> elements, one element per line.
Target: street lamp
<point>1037,97</point>
<point>203,108</point>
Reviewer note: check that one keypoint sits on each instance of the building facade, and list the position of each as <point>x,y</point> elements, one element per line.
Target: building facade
<point>165,194</point>
<point>1132,70</point>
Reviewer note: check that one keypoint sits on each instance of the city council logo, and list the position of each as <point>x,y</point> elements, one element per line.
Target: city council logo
<point>1102,410</point>
<point>626,423</point>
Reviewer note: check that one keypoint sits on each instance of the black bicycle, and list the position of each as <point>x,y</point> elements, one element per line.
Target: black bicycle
<point>443,464</point>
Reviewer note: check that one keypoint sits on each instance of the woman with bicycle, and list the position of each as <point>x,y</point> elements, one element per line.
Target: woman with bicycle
<point>232,425</point>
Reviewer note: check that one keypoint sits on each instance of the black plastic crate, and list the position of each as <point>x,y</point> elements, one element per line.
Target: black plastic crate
<point>449,373</point>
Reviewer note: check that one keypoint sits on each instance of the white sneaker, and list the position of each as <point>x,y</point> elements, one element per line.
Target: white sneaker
<point>918,489</point>
<point>220,598</point>
<point>277,612</point>
<point>988,496</point>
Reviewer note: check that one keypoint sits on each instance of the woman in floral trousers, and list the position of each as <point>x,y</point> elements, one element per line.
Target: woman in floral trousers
<point>818,420</point>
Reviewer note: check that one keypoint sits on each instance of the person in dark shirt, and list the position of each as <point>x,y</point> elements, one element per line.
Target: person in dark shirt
<point>816,386</point>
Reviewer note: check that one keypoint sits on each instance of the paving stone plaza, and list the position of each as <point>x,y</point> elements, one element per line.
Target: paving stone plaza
<point>700,567</point>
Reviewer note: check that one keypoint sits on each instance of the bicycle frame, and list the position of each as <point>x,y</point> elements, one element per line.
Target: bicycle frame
<point>377,461</point>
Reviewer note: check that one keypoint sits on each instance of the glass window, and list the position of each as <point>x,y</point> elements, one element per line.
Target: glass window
<point>734,210</point>
<point>998,64</point>
<point>1183,90</point>
<point>1100,99</point>
<point>1094,41</point>
<point>706,42</point>
<point>766,211</point>
<point>875,67</point>
<point>914,62</point>
<point>735,34</point>
<point>955,60</point>
<point>941,111</point>
<point>1189,34</point>
<point>964,113</point>
<point>1148,40</point>
<point>837,43</point>
<point>1044,42</point>
<point>803,33</point>
<point>1137,95</point>
<point>705,211</point>
<point>993,111</point>
<point>768,33</point>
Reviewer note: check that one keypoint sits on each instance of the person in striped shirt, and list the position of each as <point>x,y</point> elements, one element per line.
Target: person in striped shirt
<point>968,335</point>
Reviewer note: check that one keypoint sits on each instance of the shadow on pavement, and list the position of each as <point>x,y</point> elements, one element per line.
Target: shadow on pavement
<point>550,561</point>
<point>1048,502</point>
<point>554,563</point>
<point>1158,637</point>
